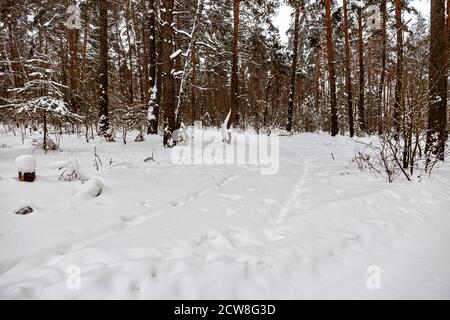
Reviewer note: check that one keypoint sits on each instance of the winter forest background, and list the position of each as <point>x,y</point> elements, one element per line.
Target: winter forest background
<point>153,65</point>
<point>97,96</point>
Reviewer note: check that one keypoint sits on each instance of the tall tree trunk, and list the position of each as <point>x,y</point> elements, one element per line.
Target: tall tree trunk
<point>130,56</point>
<point>193,83</point>
<point>45,132</point>
<point>348,71</point>
<point>331,68</point>
<point>234,69</point>
<point>380,104</point>
<point>437,110</point>
<point>188,61</point>
<point>169,80</point>
<point>145,58</point>
<point>398,106</point>
<point>153,103</point>
<point>14,53</point>
<point>139,49</point>
<point>294,66</point>
<point>361,111</point>
<point>159,62</point>
<point>85,42</point>
<point>103,69</point>
<point>73,35</point>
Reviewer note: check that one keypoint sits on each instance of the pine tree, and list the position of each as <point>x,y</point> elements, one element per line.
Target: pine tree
<point>331,68</point>
<point>348,71</point>
<point>437,111</point>
<point>297,8</point>
<point>103,68</point>
<point>234,69</point>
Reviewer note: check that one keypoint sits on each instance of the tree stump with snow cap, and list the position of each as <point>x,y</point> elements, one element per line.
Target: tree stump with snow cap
<point>26,168</point>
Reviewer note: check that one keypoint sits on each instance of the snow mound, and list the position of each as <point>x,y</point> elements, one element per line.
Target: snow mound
<point>25,163</point>
<point>92,188</point>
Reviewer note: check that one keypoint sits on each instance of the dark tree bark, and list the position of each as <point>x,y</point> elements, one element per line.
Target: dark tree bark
<point>348,71</point>
<point>145,58</point>
<point>331,68</point>
<point>73,35</point>
<point>398,105</point>
<point>103,69</point>
<point>383,70</point>
<point>294,66</point>
<point>14,51</point>
<point>168,65</point>
<point>130,56</point>
<point>437,110</point>
<point>153,104</point>
<point>193,84</point>
<point>361,111</point>
<point>234,69</point>
<point>188,61</point>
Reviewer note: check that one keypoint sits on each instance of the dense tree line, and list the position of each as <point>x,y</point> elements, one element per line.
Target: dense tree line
<point>152,65</point>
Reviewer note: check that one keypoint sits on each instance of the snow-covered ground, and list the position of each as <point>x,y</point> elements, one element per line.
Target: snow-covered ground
<point>165,231</point>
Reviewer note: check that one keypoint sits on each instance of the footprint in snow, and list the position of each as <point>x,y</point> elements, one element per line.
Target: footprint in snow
<point>176,203</point>
<point>216,240</point>
<point>268,201</point>
<point>128,217</point>
<point>350,236</point>
<point>277,234</point>
<point>240,238</point>
<point>232,197</point>
<point>229,212</point>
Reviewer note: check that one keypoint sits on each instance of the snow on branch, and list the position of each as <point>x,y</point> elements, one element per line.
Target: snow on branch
<point>53,105</point>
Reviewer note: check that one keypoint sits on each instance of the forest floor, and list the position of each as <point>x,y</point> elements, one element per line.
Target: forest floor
<point>171,231</point>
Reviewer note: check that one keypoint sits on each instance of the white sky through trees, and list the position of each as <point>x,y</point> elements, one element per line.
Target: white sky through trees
<point>283,18</point>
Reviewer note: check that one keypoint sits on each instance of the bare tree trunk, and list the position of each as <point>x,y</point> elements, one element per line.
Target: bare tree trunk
<point>383,71</point>
<point>193,83</point>
<point>45,131</point>
<point>437,110</point>
<point>348,71</point>
<point>234,69</point>
<point>331,68</point>
<point>72,40</point>
<point>73,67</point>
<point>153,103</point>
<point>139,49</point>
<point>361,111</point>
<point>294,66</point>
<point>130,56</point>
<point>145,59</point>
<point>398,106</point>
<point>103,70</point>
<point>188,61</point>
<point>85,41</point>
<point>15,55</point>
<point>169,80</point>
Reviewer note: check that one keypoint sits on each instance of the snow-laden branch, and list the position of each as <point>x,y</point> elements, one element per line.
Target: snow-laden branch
<point>44,103</point>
